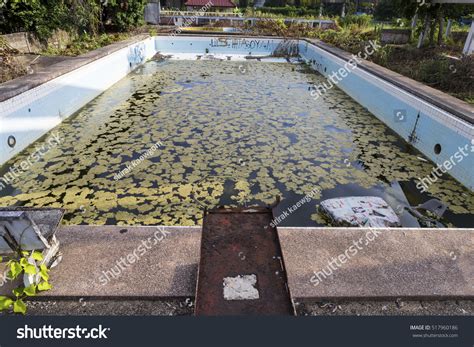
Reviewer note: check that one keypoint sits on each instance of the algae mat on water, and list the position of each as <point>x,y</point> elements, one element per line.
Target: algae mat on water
<point>176,136</point>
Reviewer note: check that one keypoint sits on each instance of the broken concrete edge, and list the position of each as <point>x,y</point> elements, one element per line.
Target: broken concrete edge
<point>444,101</point>
<point>189,287</point>
<point>24,83</point>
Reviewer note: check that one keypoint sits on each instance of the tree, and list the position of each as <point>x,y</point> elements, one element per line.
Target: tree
<point>387,9</point>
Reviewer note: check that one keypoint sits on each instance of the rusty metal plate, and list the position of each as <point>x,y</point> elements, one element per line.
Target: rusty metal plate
<point>240,242</point>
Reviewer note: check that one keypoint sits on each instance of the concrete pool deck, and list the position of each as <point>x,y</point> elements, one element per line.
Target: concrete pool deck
<point>22,84</point>
<point>456,107</point>
<point>415,264</point>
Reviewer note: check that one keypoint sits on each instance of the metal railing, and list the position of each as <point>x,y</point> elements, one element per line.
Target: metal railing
<point>170,13</point>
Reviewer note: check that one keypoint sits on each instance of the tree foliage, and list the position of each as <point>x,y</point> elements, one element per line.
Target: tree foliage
<point>74,16</point>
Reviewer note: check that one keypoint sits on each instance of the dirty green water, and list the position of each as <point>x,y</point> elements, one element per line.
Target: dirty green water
<point>226,135</point>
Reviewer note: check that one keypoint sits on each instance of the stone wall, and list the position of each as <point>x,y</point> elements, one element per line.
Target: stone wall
<point>23,42</point>
<point>395,36</point>
<point>26,42</point>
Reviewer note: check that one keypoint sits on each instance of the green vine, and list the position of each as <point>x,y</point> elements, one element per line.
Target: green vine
<point>25,263</point>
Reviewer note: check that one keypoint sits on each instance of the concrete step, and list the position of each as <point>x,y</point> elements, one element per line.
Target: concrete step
<point>338,263</point>
<point>126,262</point>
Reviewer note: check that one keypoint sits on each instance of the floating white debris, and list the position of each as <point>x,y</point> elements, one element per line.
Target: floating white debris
<point>240,288</point>
<point>369,211</point>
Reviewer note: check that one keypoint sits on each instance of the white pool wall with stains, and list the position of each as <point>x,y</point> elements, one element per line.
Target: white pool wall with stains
<point>31,114</point>
<point>417,121</point>
<point>237,48</point>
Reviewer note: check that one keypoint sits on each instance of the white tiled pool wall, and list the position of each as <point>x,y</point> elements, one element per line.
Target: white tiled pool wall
<point>32,114</point>
<point>221,47</point>
<point>399,110</point>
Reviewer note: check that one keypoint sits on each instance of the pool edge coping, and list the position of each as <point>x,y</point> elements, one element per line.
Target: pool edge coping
<point>183,284</point>
<point>22,84</point>
<point>440,99</point>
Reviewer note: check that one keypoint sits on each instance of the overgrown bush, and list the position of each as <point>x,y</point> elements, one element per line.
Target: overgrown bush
<point>361,21</point>
<point>291,11</point>
<point>10,66</point>
<point>85,43</point>
<point>76,17</point>
<point>124,15</point>
<point>43,17</point>
<point>387,9</point>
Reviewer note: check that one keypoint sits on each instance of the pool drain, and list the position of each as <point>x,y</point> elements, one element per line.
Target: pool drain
<point>11,141</point>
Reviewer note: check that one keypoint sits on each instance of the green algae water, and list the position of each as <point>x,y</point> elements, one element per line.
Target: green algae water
<point>175,137</point>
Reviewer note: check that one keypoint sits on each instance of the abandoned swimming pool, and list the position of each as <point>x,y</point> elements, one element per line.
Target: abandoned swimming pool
<point>175,136</point>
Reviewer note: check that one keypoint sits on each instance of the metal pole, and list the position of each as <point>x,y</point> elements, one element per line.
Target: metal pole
<point>469,46</point>
<point>448,28</point>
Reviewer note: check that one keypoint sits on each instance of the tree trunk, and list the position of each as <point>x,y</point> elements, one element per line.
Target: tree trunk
<point>441,27</point>
<point>413,25</point>
<point>432,31</point>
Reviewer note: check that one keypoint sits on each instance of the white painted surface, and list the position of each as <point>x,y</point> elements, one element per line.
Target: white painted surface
<point>240,288</point>
<point>429,124</point>
<point>469,46</point>
<point>30,115</point>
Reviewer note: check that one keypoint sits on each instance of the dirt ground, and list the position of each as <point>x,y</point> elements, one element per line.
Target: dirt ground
<point>185,306</point>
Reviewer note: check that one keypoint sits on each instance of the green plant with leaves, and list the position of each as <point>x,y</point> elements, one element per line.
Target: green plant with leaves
<point>361,21</point>
<point>29,265</point>
<point>124,15</point>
